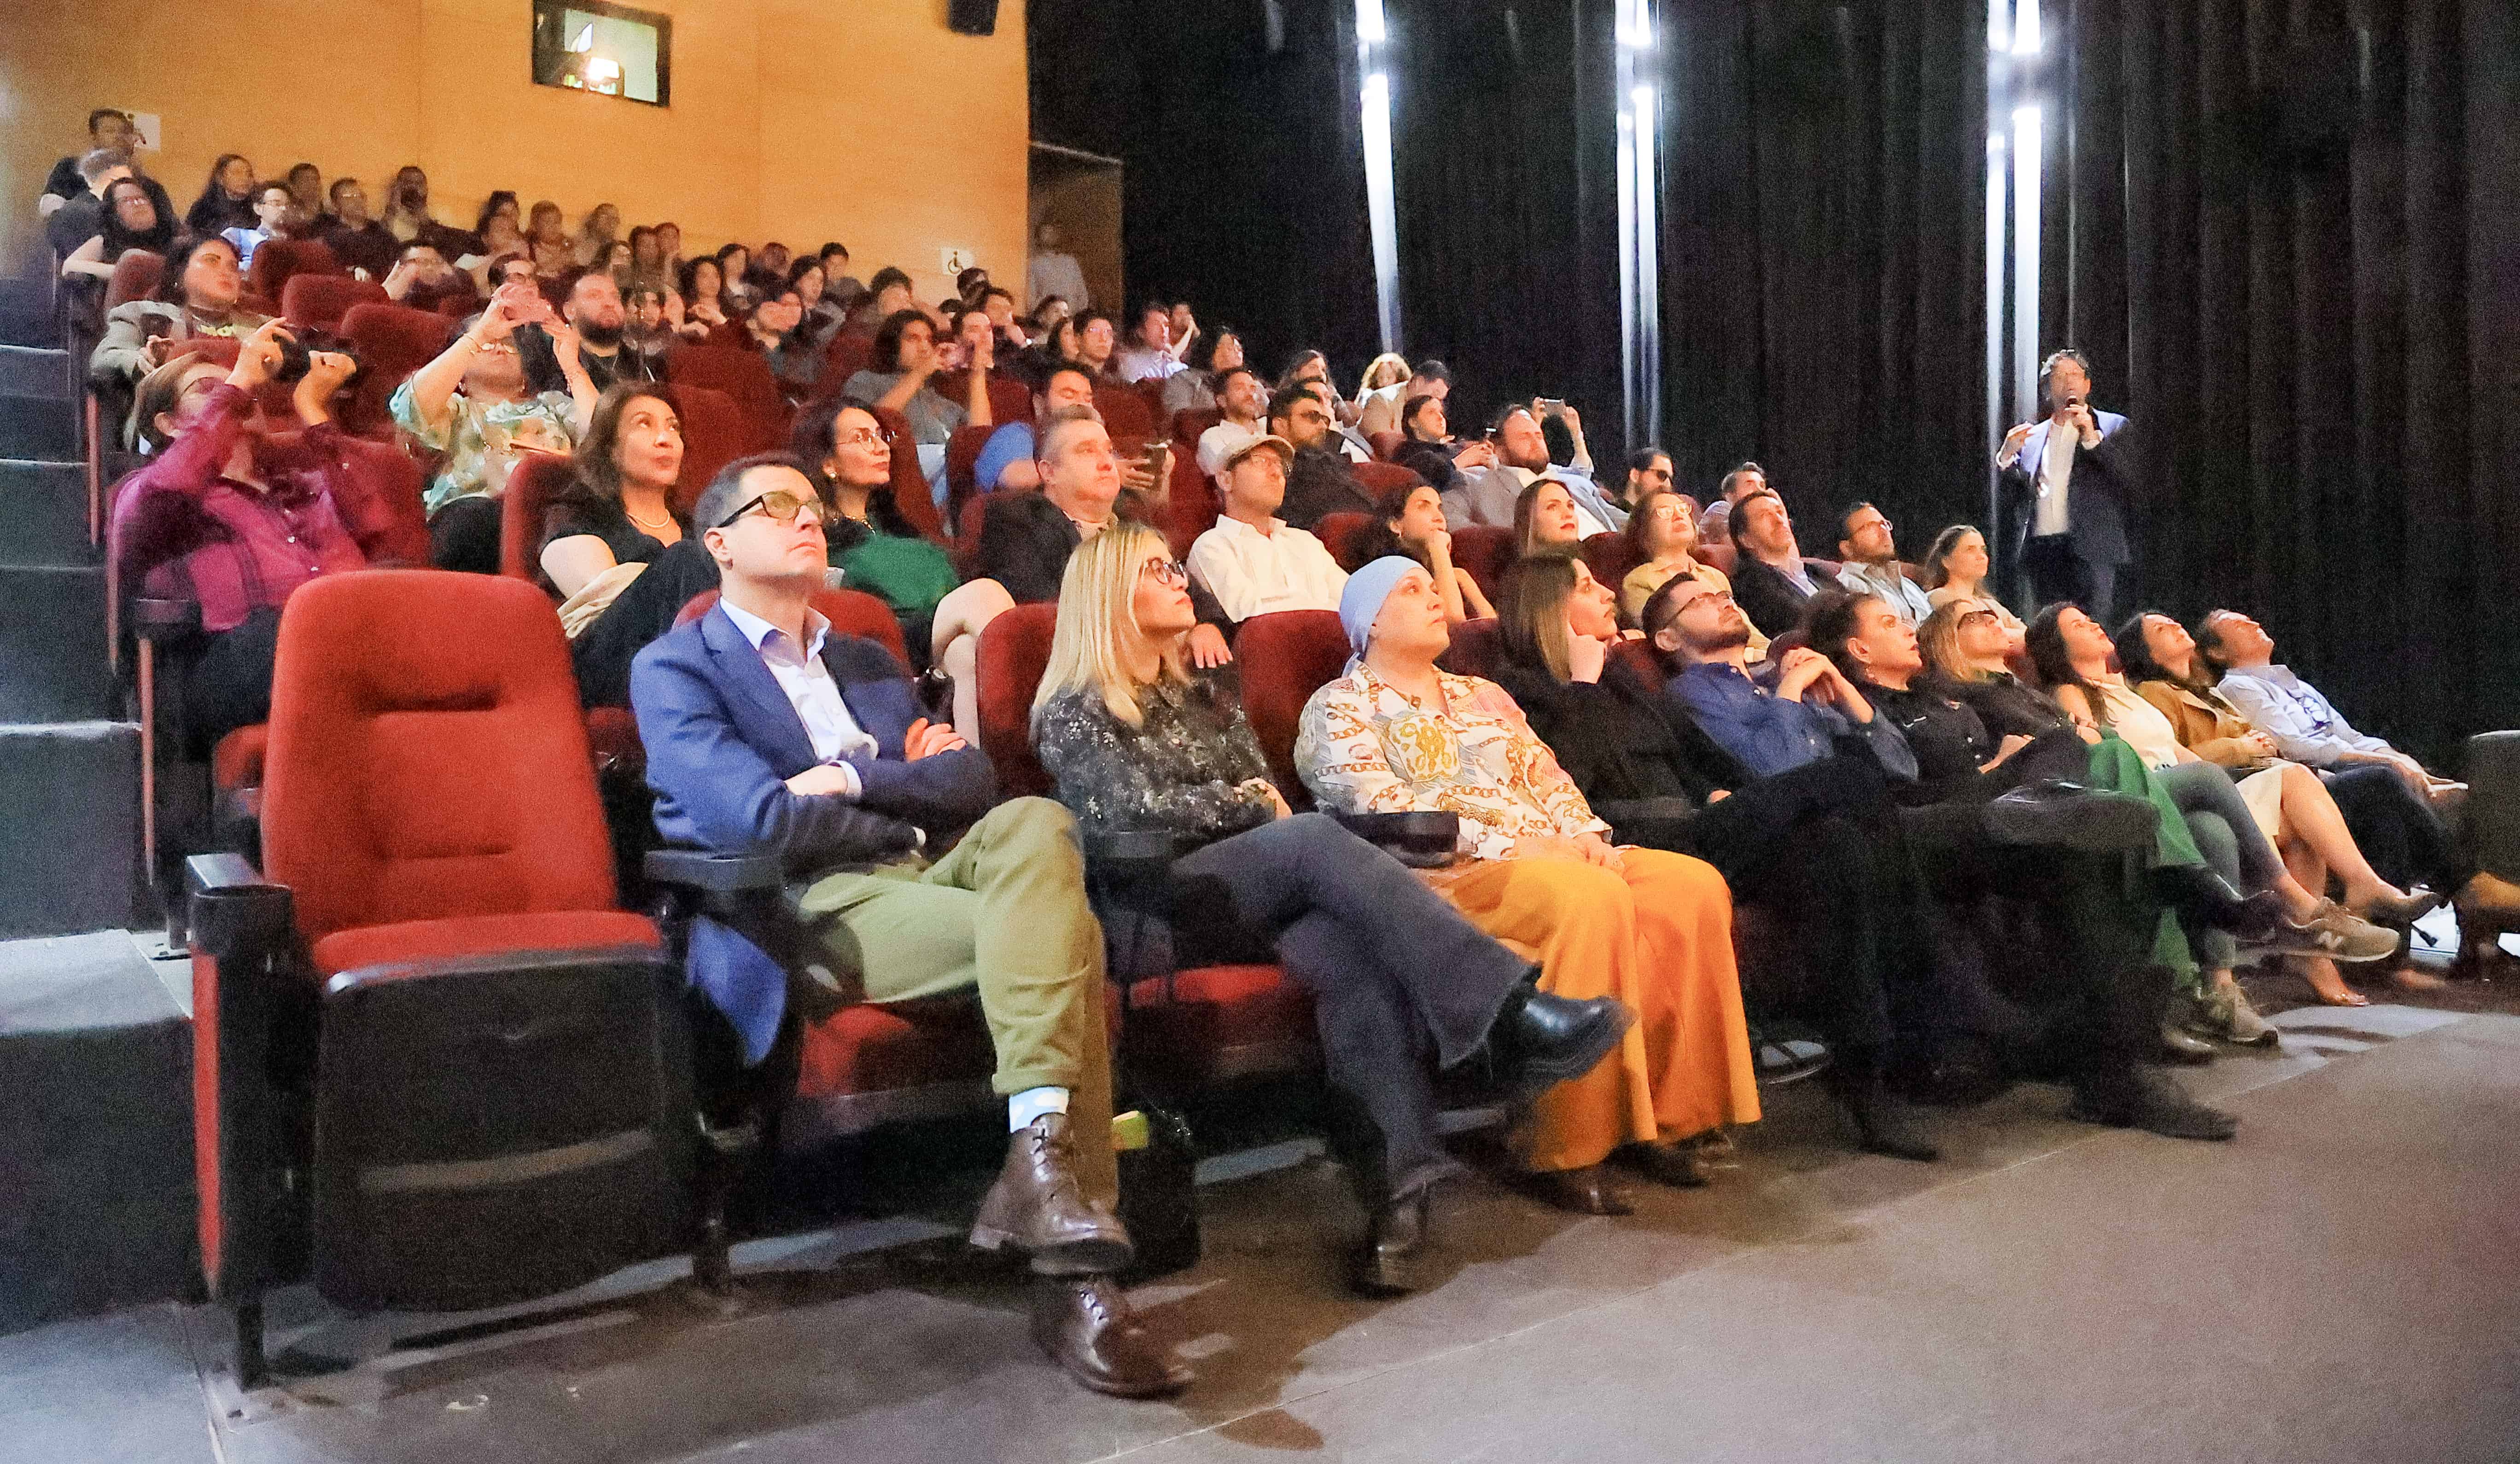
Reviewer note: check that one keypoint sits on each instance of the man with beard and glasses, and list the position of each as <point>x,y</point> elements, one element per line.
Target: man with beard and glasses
<point>594,307</point>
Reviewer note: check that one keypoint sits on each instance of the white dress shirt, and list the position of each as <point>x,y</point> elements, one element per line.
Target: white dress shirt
<point>2055,474</point>
<point>1884,582</point>
<point>1254,573</point>
<point>1138,363</point>
<point>802,674</point>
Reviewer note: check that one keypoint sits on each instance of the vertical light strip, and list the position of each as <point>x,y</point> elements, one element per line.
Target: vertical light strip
<point>1639,124</point>
<point>1994,262</point>
<point>2027,144</point>
<point>1381,213</point>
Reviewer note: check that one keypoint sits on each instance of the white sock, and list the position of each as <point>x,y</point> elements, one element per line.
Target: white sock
<point>1032,1103</point>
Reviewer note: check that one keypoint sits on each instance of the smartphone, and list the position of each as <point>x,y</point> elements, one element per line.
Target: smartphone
<point>1553,405</point>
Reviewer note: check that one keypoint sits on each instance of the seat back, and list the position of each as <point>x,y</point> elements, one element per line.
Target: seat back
<point>1125,414</point>
<point>1285,657</point>
<point>1188,425</point>
<point>1014,650</point>
<point>1724,556</point>
<point>393,341</point>
<point>744,376</point>
<point>1477,645</point>
<point>713,436</point>
<point>1486,550</point>
<point>852,613</point>
<point>1386,445</point>
<point>843,358</point>
<point>417,775</point>
<point>539,478</point>
<point>1190,508</point>
<point>277,261</point>
<point>1159,417</point>
<point>135,274</point>
<point>390,481</point>
<point>319,301</point>
<point>1609,558</point>
<point>962,468</point>
<point>910,491</point>
<point>1343,535</point>
<point>1379,478</point>
<point>1641,659</point>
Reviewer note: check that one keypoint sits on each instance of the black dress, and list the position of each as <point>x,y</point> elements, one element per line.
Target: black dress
<point>646,607</point>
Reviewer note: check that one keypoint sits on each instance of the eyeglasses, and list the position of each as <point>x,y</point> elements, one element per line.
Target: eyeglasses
<point>1969,617</point>
<point>779,505</point>
<point>865,437</point>
<point>1165,572</point>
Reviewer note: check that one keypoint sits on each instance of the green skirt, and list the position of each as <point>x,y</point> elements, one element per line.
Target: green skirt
<point>2117,768</point>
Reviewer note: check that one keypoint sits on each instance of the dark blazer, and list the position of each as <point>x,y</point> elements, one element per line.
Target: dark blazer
<point>2098,493</point>
<point>722,741</point>
<point>1024,542</point>
<point>1322,483</point>
<point>1770,601</point>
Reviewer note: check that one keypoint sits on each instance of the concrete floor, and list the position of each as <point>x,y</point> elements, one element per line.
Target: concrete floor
<point>2337,1284</point>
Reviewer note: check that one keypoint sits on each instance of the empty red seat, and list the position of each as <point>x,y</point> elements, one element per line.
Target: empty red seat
<point>1125,414</point>
<point>1379,478</point>
<point>843,358</point>
<point>279,260</point>
<point>319,301</point>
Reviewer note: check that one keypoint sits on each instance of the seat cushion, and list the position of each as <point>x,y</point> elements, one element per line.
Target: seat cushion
<point>1220,1023</point>
<point>869,1049</point>
<point>237,762</point>
<point>482,935</point>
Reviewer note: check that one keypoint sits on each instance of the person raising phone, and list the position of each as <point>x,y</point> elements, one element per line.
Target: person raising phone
<point>2068,482</point>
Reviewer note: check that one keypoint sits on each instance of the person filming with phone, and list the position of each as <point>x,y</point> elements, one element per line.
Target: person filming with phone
<point>2067,482</point>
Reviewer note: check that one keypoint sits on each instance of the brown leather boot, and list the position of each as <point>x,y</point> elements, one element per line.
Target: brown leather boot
<point>1037,1208</point>
<point>1087,1326</point>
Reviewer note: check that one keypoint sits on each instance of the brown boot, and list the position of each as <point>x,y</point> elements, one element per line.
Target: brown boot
<point>1085,1325</point>
<point>1037,1208</point>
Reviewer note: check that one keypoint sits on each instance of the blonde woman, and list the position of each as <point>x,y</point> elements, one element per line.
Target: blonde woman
<point>1141,741</point>
<point>1651,928</point>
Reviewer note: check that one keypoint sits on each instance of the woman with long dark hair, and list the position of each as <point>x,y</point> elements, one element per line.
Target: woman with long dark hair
<point>1410,522</point>
<point>227,198</point>
<point>866,537</point>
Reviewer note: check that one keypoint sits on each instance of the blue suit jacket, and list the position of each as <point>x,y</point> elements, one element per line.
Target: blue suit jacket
<point>722,741</point>
<point>2098,497</point>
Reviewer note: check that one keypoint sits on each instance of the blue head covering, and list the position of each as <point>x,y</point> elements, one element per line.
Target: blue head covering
<point>1010,443</point>
<point>1366,590</point>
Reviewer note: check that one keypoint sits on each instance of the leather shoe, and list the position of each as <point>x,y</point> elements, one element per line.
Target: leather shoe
<point>1036,1207</point>
<point>1881,1125</point>
<point>1540,1040</point>
<point>1386,1264</point>
<point>2138,1099</point>
<point>2402,910</point>
<point>2201,892</point>
<point>1676,1165</point>
<point>1087,1327</point>
<point>1590,1190</point>
<point>2069,815</point>
<point>2182,1046</point>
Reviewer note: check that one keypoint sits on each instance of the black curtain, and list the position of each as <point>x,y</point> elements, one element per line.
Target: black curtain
<point>1244,183</point>
<point>1823,256</point>
<point>1504,159</point>
<point>2287,241</point>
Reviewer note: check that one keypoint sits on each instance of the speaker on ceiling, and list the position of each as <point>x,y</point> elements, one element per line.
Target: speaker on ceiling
<point>971,16</point>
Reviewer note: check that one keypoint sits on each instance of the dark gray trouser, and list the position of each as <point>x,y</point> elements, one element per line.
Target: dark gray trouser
<point>2203,789</point>
<point>1397,975</point>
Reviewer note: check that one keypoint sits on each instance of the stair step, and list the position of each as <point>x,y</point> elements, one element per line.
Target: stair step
<point>45,507</point>
<point>51,646</point>
<point>36,426</point>
<point>26,315</point>
<point>35,372</point>
<point>70,826</point>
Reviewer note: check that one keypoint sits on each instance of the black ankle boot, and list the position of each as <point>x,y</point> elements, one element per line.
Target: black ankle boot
<point>2203,894</point>
<point>1882,1125</point>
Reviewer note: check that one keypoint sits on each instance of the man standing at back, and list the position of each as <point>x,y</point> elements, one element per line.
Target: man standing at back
<point>2068,480</point>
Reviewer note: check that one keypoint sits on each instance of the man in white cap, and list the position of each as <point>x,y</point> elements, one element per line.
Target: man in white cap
<point>1253,562</point>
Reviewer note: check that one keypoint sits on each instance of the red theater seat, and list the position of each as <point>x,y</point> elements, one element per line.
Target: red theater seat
<point>277,261</point>
<point>1609,558</point>
<point>1386,445</point>
<point>851,612</point>
<point>1285,657</point>
<point>1475,649</point>
<point>474,1088</point>
<point>1014,652</point>
<point>393,341</point>
<point>538,479</point>
<point>1379,478</point>
<point>1343,535</point>
<point>713,435</point>
<point>319,301</point>
<point>910,491</point>
<point>744,376</point>
<point>1125,414</point>
<point>1487,553</point>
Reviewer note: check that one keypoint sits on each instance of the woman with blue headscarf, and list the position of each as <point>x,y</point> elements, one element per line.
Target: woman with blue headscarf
<point>1651,928</point>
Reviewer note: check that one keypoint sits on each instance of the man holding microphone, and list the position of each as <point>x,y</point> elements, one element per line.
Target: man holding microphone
<point>2066,482</point>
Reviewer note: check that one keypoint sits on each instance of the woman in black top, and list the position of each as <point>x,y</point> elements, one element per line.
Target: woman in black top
<point>1819,845</point>
<point>1139,741</point>
<point>620,512</point>
<point>227,198</point>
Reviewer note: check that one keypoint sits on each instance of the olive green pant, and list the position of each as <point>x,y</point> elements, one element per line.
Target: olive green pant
<point>1004,912</point>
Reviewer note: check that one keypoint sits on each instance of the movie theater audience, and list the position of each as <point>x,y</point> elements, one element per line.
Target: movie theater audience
<point>1252,561</point>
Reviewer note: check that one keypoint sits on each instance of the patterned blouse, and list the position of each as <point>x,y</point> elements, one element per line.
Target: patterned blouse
<point>1184,768</point>
<point>1364,746</point>
<point>483,440</point>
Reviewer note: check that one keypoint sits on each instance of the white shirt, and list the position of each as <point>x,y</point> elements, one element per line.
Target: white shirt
<point>2056,473</point>
<point>1884,582</point>
<point>1138,363</point>
<point>1059,275</point>
<point>807,681</point>
<point>1252,573</point>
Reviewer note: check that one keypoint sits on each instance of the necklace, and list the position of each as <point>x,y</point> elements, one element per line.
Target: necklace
<point>648,523</point>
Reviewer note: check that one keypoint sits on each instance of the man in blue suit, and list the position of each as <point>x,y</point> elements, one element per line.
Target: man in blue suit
<point>2069,484</point>
<point>768,731</point>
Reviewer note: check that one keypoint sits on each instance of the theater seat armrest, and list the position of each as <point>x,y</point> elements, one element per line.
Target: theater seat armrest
<point>1424,839</point>
<point>1132,847</point>
<point>236,912</point>
<point>714,873</point>
<point>164,620</point>
<point>1651,822</point>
